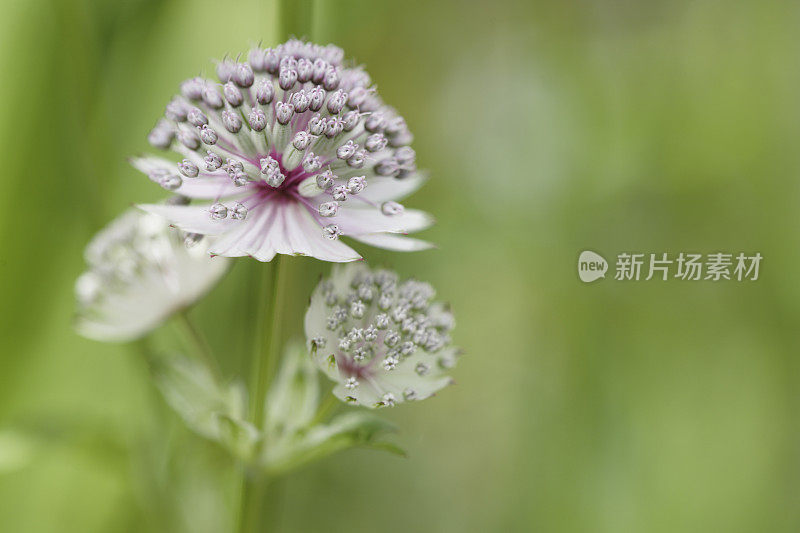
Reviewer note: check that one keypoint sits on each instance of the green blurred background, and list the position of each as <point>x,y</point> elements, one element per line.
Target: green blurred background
<point>549,127</point>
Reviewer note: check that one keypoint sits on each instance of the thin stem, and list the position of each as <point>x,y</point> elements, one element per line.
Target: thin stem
<point>201,347</point>
<point>329,403</point>
<point>265,357</point>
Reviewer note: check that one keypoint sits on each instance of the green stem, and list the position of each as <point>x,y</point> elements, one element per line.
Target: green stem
<point>200,346</point>
<point>265,357</point>
<point>329,403</point>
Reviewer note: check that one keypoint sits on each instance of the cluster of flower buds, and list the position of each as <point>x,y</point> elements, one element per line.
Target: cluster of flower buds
<point>382,341</point>
<point>291,127</point>
<point>140,271</point>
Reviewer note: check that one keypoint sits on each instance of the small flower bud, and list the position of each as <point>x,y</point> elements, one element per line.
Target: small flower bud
<point>320,67</point>
<point>346,150</point>
<point>232,94</point>
<point>193,88</point>
<point>339,193</point>
<point>301,140</point>
<point>316,125</point>
<point>356,97</point>
<point>176,110</point>
<point>387,167</point>
<point>331,231</point>
<point>196,117</point>
<point>312,163</point>
<point>287,79</point>
<point>301,101</point>
<point>170,181</point>
<point>207,135</point>
<point>331,79</point>
<point>284,112</point>
<point>405,155</point>
<point>325,179</point>
<point>225,69</point>
<point>375,142</point>
<point>328,209</point>
<point>336,101</point>
<point>243,75</point>
<point>188,138</point>
<point>239,211</point>
<point>258,59</point>
<point>231,121</point>
<point>265,92</point>
<point>333,127</point>
<point>218,211</point>
<point>375,122</point>
<point>212,98</point>
<point>356,184</point>
<point>350,120</point>
<point>305,69</point>
<point>161,135</point>
<point>317,97</point>
<point>212,160</point>
<point>391,208</point>
<point>272,60</point>
<point>257,119</point>
<point>357,159</point>
<point>188,169</point>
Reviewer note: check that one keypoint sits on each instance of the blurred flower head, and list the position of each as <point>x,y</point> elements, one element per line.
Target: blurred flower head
<point>140,271</point>
<point>289,151</point>
<point>382,342</point>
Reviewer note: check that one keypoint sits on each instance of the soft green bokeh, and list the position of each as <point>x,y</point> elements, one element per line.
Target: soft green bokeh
<point>548,127</point>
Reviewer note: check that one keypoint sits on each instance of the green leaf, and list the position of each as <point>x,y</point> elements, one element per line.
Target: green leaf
<point>352,429</point>
<point>213,410</point>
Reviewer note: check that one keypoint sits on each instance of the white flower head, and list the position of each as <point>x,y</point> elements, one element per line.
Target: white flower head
<point>299,147</point>
<point>140,271</point>
<point>383,342</point>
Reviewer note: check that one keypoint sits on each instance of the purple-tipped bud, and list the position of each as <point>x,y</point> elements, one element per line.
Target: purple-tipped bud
<point>188,169</point>
<point>391,208</point>
<point>301,101</point>
<point>212,98</point>
<point>357,96</point>
<point>339,193</point>
<point>301,140</point>
<point>193,88</point>
<point>325,179</point>
<point>317,95</point>
<point>356,184</point>
<point>284,112</point>
<point>170,182</point>
<point>358,159</point>
<point>232,94</point>
<point>387,167</point>
<point>196,117</point>
<point>272,60</point>
<point>395,126</point>
<point>331,231</point>
<point>336,101</point>
<point>320,68</point>
<point>176,110</point>
<point>316,125</point>
<point>287,79</point>
<point>207,135</point>
<point>212,160</point>
<point>333,127</point>
<point>265,92</point>
<point>258,59</point>
<point>231,121</point>
<point>239,211</point>
<point>239,178</point>
<point>288,63</point>
<point>225,69</point>
<point>269,164</point>
<point>257,119</point>
<point>312,162</point>
<point>346,150</point>
<point>375,122</point>
<point>331,79</point>
<point>188,138</point>
<point>243,75</point>
<point>233,166</point>
<point>375,142</point>
<point>161,135</point>
<point>350,120</point>
<point>305,69</point>
<point>218,211</point>
<point>328,209</point>
<point>272,172</point>
<point>405,155</point>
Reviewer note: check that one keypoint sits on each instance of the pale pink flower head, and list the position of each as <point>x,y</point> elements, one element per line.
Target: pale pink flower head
<point>381,340</point>
<point>139,273</point>
<point>289,151</point>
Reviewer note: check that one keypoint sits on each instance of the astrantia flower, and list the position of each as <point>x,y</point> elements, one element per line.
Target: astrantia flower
<point>290,150</point>
<point>140,272</point>
<point>381,341</point>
